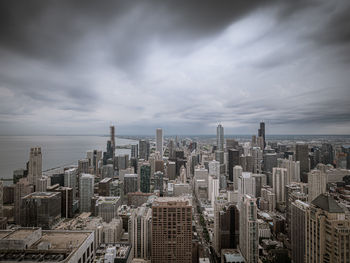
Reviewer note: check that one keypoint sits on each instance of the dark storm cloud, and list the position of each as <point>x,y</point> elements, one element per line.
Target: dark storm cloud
<point>175,64</point>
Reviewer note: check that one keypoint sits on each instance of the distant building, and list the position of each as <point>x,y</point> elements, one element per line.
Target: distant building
<point>35,165</point>
<point>317,183</point>
<point>233,160</point>
<point>302,155</point>
<point>130,183</point>
<point>22,188</point>
<point>220,137</point>
<point>107,207</point>
<point>144,149</point>
<point>159,141</point>
<point>145,178</point>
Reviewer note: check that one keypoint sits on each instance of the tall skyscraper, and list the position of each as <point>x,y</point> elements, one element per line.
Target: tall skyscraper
<point>249,230</point>
<point>70,179</point>
<point>279,181</point>
<point>171,230</point>
<point>233,160</point>
<point>218,206</point>
<point>1,198</point>
<point>236,173</point>
<point>144,149</point>
<point>134,151</point>
<point>327,231</point>
<point>145,178</point>
<point>159,141</point>
<point>220,137</point>
<point>112,134</point>
<point>140,232</point>
<point>35,165</point>
<point>317,183</point>
<point>130,183</point>
<point>261,132</point>
<point>86,188</point>
<point>302,155</point>
<point>298,215</point>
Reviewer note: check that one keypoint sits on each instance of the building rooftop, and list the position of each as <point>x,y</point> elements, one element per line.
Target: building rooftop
<point>41,195</point>
<point>327,203</point>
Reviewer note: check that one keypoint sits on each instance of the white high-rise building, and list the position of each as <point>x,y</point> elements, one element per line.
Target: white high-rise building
<point>317,183</point>
<point>213,188</point>
<point>159,141</point>
<point>70,179</point>
<point>140,232</point>
<point>220,137</point>
<point>35,165</point>
<point>214,168</point>
<point>246,185</point>
<point>86,188</point>
<point>249,230</point>
<point>279,181</point>
<point>42,183</point>
<point>293,169</point>
<point>237,172</point>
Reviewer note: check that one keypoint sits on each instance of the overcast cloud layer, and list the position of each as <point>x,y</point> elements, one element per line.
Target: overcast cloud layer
<point>75,67</point>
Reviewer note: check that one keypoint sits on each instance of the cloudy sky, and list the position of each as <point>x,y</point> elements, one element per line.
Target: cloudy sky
<point>75,67</point>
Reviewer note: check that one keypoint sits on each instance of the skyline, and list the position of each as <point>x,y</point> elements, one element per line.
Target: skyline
<point>75,68</point>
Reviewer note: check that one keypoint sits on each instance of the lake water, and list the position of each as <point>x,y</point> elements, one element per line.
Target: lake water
<point>56,150</point>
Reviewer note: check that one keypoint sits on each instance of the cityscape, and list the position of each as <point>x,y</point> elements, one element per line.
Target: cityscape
<point>174,131</point>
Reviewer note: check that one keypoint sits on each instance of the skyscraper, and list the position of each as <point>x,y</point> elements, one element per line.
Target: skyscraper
<point>35,165</point>
<point>236,173</point>
<point>145,178</point>
<point>112,134</point>
<point>302,155</point>
<point>298,215</point>
<point>279,181</point>
<point>327,231</point>
<point>86,188</point>
<point>261,132</point>
<point>220,137</point>
<point>22,188</point>
<point>171,230</point>
<point>140,226</point>
<point>317,183</point>
<point>144,149</point>
<point>248,230</point>
<point>233,160</point>
<point>159,141</point>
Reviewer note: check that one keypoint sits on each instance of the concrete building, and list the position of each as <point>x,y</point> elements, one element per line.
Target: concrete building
<point>104,186</point>
<point>86,188</point>
<point>293,169</point>
<point>107,207</point>
<point>35,165</point>
<point>171,170</point>
<point>233,160</point>
<point>279,181</point>
<point>173,216</point>
<point>22,188</point>
<point>40,209</point>
<point>247,185</point>
<point>140,232</point>
<point>34,244</point>
<point>159,141</point>
<point>249,230</point>
<point>83,166</point>
<point>298,216</point>
<point>70,179</point>
<point>144,149</point>
<point>317,183</point>
<point>327,231</point>
<point>236,173</point>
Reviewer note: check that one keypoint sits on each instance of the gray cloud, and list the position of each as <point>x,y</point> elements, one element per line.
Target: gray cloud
<point>75,66</point>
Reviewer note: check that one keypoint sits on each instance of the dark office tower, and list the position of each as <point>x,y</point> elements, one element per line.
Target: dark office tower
<point>233,160</point>
<point>83,166</point>
<point>144,149</point>
<point>171,230</point>
<point>130,183</point>
<point>298,215</point>
<point>229,227</point>
<point>302,155</point>
<point>134,151</point>
<point>66,200</point>
<point>112,133</point>
<point>327,153</point>
<point>270,161</point>
<point>231,144</point>
<point>40,209</point>
<point>145,178</point>
<point>158,182</point>
<point>261,132</point>
<point>180,161</point>
<point>171,149</point>
<point>159,166</point>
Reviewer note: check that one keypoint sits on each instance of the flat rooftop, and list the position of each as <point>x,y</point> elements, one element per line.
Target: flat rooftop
<point>41,195</point>
<point>19,234</point>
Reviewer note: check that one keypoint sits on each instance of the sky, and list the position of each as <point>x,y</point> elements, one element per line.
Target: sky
<point>76,67</point>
